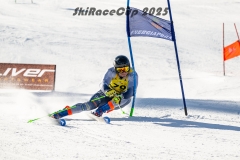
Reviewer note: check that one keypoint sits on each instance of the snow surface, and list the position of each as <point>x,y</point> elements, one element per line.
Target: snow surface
<point>83,48</point>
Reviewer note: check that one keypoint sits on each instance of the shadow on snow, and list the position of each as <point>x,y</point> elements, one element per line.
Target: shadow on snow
<point>207,105</point>
<point>169,122</point>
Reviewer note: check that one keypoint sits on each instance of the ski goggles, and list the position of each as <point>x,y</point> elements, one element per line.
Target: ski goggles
<point>122,69</point>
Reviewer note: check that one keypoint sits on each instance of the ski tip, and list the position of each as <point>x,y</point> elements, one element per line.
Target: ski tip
<point>62,122</point>
<point>107,120</point>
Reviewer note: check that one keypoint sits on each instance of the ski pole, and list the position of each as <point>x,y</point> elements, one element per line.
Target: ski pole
<point>32,120</point>
<point>119,105</point>
<point>98,98</point>
<point>122,110</point>
<point>49,115</point>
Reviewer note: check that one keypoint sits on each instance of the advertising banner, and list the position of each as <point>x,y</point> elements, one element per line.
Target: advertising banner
<point>27,76</point>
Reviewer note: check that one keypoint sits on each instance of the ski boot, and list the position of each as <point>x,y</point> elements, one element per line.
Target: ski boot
<point>102,109</point>
<point>62,113</point>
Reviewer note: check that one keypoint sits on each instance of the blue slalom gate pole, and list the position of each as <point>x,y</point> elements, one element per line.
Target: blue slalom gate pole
<point>131,55</point>
<point>178,64</point>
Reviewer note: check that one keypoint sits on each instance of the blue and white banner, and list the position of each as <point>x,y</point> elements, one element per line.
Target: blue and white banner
<point>142,24</point>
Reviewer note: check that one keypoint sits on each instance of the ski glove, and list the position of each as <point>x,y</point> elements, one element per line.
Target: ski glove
<point>110,93</point>
<point>117,99</point>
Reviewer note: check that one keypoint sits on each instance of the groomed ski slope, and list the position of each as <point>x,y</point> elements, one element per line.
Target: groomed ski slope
<point>83,48</point>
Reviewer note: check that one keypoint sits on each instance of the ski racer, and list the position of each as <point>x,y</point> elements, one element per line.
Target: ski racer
<point>117,91</point>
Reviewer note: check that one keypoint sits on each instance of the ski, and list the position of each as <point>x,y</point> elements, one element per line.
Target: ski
<point>105,119</point>
<point>59,121</point>
<point>62,122</point>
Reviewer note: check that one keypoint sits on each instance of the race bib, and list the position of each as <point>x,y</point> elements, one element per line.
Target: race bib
<point>118,84</point>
